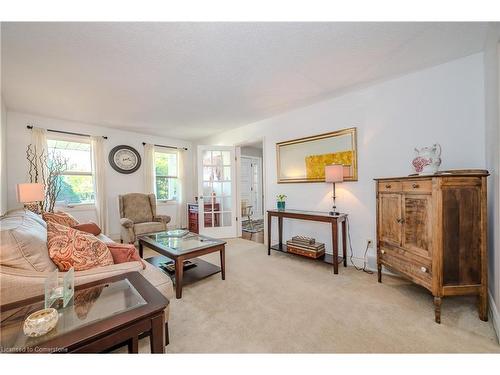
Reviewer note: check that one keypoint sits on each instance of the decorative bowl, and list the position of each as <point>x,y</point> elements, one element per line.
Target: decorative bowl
<point>40,322</point>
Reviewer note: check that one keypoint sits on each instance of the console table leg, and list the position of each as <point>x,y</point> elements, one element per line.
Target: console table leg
<point>335,243</point>
<point>269,225</point>
<point>141,250</point>
<point>280,231</point>
<point>344,243</point>
<point>223,263</point>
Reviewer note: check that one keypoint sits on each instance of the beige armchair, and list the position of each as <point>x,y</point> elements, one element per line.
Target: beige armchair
<point>138,216</point>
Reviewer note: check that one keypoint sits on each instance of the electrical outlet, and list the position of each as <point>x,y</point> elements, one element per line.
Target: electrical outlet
<point>369,243</point>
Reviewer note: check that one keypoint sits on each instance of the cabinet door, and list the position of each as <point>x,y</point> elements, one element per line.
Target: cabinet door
<point>389,218</point>
<point>417,227</point>
<point>463,226</point>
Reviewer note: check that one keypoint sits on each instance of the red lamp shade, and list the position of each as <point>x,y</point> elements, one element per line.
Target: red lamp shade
<point>334,173</point>
<point>27,193</point>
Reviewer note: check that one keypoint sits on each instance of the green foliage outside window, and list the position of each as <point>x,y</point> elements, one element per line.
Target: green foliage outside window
<point>166,175</point>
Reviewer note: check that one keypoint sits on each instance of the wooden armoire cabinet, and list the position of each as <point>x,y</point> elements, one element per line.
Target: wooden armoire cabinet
<point>432,230</point>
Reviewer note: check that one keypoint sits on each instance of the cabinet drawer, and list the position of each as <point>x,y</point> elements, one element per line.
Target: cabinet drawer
<point>417,186</point>
<point>405,254</point>
<point>389,186</point>
<point>416,271</point>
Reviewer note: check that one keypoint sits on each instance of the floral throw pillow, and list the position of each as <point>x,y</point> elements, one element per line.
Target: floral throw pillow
<point>70,247</point>
<point>60,217</point>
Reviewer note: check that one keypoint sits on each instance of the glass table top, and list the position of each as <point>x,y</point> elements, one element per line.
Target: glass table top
<point>181,245</point>
<point>88,305</point>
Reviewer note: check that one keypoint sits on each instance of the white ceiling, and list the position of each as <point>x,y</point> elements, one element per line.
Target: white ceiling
<point>190,80</point>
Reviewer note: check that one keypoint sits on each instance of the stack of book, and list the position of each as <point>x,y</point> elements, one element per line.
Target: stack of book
<point>305,246</point>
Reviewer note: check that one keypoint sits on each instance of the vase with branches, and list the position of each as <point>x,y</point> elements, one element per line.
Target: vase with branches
<point>46,169</point>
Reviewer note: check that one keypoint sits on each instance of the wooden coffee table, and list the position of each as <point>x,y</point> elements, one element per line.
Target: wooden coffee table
<point>179,249</point>
<point>103,315</point>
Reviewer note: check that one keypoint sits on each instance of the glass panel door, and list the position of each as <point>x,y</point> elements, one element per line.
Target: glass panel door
<point>216,198</point>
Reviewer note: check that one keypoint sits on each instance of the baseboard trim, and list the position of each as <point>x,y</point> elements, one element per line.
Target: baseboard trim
<point>494,316</point>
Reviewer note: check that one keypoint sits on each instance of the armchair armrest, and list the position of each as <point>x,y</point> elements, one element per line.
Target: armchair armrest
<point>162,218</point>
<point>126,223</point>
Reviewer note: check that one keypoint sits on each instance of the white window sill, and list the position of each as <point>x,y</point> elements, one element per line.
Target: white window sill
<point>166,203</point>
<point>76,207</point>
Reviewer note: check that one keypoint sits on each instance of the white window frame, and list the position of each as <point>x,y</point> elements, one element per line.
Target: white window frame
<point>161,150</point>
<point>76,139</point>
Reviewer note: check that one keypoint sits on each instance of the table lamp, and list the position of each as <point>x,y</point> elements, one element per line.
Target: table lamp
<point>334,173</point>
<point>31,194</point>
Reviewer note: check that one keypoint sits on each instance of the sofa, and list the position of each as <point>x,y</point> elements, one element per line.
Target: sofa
<point>138,216</point>
<point>25,261</point>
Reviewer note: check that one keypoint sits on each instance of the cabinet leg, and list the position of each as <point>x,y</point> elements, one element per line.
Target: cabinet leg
<point>483,306</point>
<point>379,272</point>
<point>437,309</point>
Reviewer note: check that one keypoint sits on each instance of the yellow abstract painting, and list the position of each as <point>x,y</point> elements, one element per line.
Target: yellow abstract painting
<point>315,164</point>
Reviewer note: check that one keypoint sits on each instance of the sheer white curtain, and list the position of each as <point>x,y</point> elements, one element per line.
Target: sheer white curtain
<point>181,190</point>
<point>99,170</point>
<point>39,142</point>
<point>149,168</point>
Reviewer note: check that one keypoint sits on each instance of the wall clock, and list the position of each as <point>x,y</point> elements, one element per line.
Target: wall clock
<point>124,159</point>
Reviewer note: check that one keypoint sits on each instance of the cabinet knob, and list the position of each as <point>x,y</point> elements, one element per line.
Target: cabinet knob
<point>382,251</point>
<point>388,186</point>
<point>415,186</point>
<point>423,269</point>
<point>400,221</point>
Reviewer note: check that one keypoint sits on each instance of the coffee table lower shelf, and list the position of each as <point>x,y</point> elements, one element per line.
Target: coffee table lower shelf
<point>327,258</point>
<point>202,269</point>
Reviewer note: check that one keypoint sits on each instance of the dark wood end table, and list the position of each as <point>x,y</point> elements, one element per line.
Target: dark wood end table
<point>103,314</point>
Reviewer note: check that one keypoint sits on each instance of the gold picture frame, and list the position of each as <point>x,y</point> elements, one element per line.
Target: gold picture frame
<point>303,159</point>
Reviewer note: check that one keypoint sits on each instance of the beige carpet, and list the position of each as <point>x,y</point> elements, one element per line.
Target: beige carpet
<point>285,303</point>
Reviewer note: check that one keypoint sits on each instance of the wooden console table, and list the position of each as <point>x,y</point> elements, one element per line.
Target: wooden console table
<point>311,216</point>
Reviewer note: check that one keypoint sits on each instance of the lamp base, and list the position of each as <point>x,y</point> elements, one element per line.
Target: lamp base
<point>33,207</point>
<point>334,213</point>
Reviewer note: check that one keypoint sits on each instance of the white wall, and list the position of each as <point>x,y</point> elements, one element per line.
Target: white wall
<point>3,158</point>
<point>442,104</point>
<point>18,137</point>
<point>491,88</point>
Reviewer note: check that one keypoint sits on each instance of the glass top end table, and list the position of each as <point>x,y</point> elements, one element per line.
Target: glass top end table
<point>100,303</point>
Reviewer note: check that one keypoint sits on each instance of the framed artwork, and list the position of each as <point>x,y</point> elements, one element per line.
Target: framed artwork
<point>304,159</point>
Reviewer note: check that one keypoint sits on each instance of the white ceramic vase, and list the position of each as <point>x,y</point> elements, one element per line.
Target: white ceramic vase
<point>427,159</point>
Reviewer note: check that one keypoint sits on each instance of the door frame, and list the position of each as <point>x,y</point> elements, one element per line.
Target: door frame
<point>238,146</point>
<point>257,160</point>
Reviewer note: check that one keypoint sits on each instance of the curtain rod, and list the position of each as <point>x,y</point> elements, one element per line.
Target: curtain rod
<point>64,132</point>
<point>174,147</point>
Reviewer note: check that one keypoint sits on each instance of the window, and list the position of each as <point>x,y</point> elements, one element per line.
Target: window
<point>166,175</point>
<point>77,181</point>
